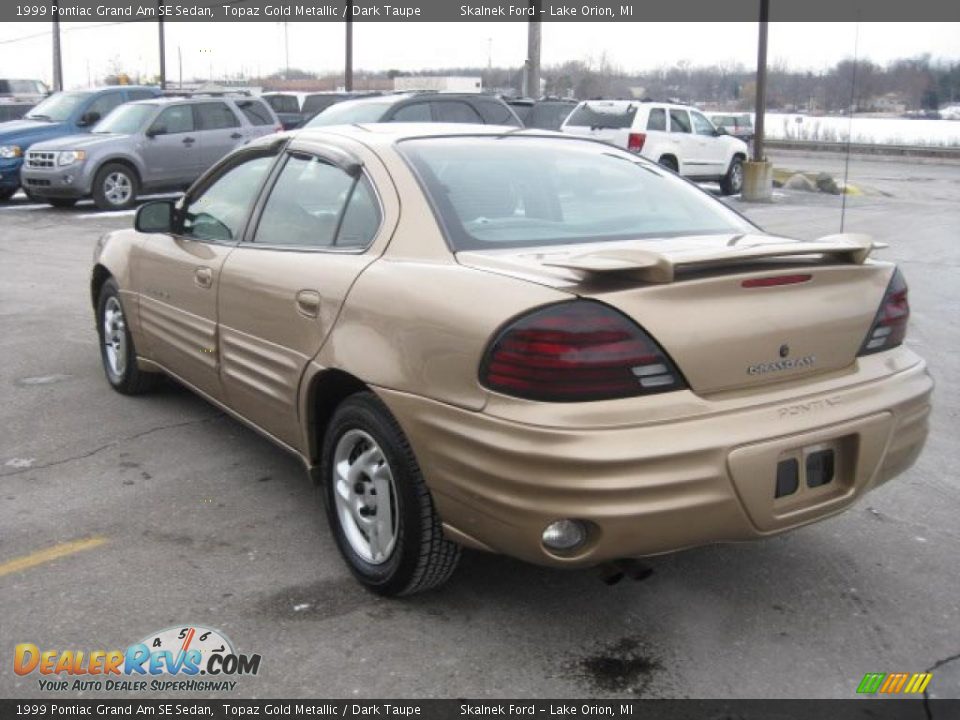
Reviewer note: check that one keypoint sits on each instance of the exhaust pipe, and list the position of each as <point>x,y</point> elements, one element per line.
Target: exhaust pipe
<point>614,571</point>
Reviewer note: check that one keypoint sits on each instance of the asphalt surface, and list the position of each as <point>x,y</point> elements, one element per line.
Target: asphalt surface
<point>204,522</point>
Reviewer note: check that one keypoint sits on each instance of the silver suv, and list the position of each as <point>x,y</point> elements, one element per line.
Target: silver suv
<point>150,145</point>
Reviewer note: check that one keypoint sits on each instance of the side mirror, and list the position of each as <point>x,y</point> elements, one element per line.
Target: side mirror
<point>721,130</point>
<point>156,130</point>
<point>155,217</point>
<point>88,118</point>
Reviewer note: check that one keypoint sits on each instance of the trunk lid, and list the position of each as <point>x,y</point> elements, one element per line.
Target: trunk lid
<point>689,294</point>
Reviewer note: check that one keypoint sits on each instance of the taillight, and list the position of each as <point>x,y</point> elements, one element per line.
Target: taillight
<point>635,141</point>
<point>577,351</point>
<point>890,325</point>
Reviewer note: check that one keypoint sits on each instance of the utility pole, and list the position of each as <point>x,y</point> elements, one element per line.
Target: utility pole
<point>163,48</point>
<point>57,60</point>
<point>286,47</point>
<point>532,82</point>
<point>348,59</point>
<point>761,106</point>
<point>180,64</point>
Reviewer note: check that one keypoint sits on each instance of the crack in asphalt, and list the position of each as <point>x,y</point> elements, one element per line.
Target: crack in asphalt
<point>112,443</point>
<point>926,696</point>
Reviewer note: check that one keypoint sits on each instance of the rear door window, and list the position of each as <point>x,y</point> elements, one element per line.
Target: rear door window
<point>679,121</point>
<point>657,119</point>
<point>416,112</point>
<point>454,111</point>
<point>596,115</point>
<point>255,111</point>
<point>214,116</point>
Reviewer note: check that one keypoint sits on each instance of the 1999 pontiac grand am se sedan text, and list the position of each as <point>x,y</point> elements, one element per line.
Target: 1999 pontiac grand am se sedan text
<point>519,342</point>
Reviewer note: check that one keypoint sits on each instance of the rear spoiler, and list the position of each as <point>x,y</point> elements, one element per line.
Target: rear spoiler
<point>651,266</point>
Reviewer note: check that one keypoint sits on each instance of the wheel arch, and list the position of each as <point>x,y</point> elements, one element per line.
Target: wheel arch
<point>119,160</point>
<point>98,277</point>
<point>325,390</point>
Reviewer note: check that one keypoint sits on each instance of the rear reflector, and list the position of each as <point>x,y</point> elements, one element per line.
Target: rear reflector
<point>774,281</point>
<point>890,325</point>
<point>577,351</point>
<point>635,141</point>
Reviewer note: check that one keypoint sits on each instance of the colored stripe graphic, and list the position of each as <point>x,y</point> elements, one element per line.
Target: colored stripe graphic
<point>894,683</point>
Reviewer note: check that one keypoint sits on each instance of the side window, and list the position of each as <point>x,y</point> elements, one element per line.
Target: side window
<point>657,119</point>
<point>311,201</point>
<point>140,95</point>
<point>104,104</point>
<point>255,111</point>
<point>217,214</point>
<point>417,112</point>
<point>456,112</point>
<point>701,125</point>
<point>176,119</point>
<point>496,113</point>
<point>214,116</point>
<point>679,121</point>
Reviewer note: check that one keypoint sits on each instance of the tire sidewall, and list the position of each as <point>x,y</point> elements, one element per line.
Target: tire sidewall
<point>108,291</point>
<point>728,185</point>
<point>99,196</point>
<point>365,412</point>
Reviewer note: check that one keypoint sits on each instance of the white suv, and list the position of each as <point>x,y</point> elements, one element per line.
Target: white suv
<point>676,136</point>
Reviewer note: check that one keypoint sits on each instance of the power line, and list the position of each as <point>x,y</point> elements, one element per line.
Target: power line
<point>65,30</point>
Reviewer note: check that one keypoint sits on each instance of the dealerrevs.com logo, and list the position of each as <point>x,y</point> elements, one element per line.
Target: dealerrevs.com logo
<point>187,658</point>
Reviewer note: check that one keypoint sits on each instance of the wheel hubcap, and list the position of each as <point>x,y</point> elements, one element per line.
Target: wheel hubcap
<point>736,177</point>
<point>115,337</point>
<point>117,188</point>
<point>365,497</point>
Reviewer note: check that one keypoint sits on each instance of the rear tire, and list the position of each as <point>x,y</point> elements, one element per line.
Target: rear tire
<point>117,352</point>
<point>669,162</point>
<point>378,506</point>
<point>115,187</point>
<point>732,182</point>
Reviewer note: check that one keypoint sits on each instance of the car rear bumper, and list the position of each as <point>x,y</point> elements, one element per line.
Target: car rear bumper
<point>653,487</point>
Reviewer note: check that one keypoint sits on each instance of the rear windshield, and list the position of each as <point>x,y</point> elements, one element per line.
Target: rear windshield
<point>597,115</point>
<point>255,112</point>
<point>515,191</point>
<point>548,115</point>
<point>315,103</point>
<point>348,112</point>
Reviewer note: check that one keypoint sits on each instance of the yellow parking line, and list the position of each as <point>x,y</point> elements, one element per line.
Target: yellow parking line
<point>48,554</point>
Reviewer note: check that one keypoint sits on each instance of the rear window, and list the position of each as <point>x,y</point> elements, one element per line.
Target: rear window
<point>347,113</point>
<point>316,103</point>
<point>603,116</point>
<point>515,191</point>
<point>283,103</point>
<point>255,111</point>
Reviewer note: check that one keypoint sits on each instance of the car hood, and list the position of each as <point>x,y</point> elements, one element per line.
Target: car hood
<point>29,131</point>
<point>84,141</point>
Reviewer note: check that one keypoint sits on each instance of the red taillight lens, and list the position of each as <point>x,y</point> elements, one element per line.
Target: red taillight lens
<point>635,141</point>
<point>577,351</point>
<point>890,325</point>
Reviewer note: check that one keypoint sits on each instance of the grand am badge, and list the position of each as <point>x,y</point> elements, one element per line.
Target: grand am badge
<point>780,365</point>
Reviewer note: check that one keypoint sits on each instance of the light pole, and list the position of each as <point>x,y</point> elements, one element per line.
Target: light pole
<point>758,172</point>
<point>57,59</point>
<point>163,51</point>
<point>348,50</point>
<point>533,52</point>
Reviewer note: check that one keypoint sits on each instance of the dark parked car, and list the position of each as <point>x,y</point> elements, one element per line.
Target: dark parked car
<point>544,114</point>
<point>314,103</point>
<point>420,107</point>
<point>287,108</point>
<point>13,109</point>
<point>23,90</point>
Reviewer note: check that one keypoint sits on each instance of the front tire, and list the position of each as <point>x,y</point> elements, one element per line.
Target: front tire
<point>62,202</point>
<point>115,187</point>
<point>378,506</point>
<point>117,352</point>
<point>732,182</point>
<point>7,193</point>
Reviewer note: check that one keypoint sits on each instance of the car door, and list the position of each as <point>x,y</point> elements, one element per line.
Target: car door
<point>282,288</point>
<point>711,148</point>
<point>681,133</point>
<point>171,148</point>
<point>219,130</point>
<point>178,274</point>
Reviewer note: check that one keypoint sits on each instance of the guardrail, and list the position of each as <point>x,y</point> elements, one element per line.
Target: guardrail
<point>931,151</point>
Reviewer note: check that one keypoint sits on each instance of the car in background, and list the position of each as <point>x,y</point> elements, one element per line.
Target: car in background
<point>420,107</point>
<point>314,103</point>
<point>286,106</point>
<point>740,125</point>
<point>25,90</point>
<point>543,114</point>
<point>519,342</point>
<point>61,114</point>
<point>150,145</point>
<point>13,109</point>
<point>678,137</point>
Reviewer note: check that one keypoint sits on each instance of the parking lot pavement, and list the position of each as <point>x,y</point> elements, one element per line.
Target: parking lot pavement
<point>120,517</point>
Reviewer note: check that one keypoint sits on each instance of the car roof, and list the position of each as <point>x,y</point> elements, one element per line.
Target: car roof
<point>381,134</point>
<point>183,99</point>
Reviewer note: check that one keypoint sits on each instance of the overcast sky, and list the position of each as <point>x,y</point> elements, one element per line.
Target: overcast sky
<point>90,52</point>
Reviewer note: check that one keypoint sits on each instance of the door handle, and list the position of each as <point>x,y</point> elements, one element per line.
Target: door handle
<point>236,136</point>
<point>308,303</point>
<point>189,140</point>
<point>203,276</point>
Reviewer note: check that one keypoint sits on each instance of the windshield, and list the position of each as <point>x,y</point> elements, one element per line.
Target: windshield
<point>59,107</point>
<point>347,113</point>
<point>511,191</point>
<point>125,120</point>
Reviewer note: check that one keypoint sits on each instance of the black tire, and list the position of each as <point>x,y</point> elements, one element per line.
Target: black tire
<point>7,193</point>
<point>421,558</point>
<point>62,202</point>
<point>128,379</point>
<point>109,177</point>
<point>732,182</point>
<point>669,162</point>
